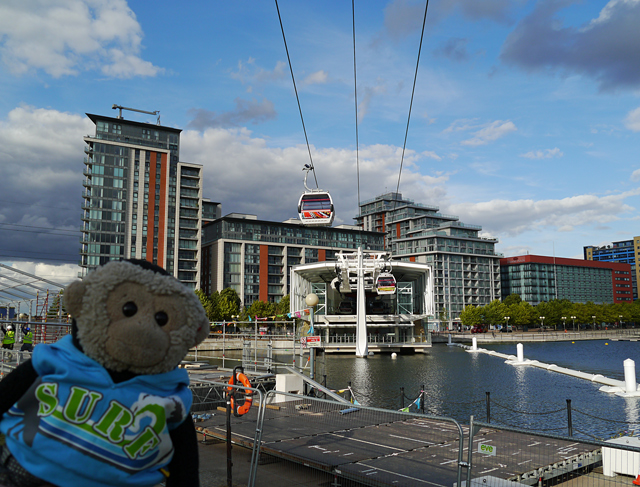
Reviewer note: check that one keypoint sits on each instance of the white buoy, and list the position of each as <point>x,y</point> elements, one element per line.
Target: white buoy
<point>630,375</point>
<point>520,352</point>
<point>394,355</point>
<point>474,343</point>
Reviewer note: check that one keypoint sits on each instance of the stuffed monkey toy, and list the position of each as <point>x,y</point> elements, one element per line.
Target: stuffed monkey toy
<point>107,405</point>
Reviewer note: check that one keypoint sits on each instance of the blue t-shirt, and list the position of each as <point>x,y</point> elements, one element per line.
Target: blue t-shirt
<point>76,427</point>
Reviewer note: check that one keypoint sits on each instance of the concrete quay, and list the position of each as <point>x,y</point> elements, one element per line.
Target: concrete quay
<point>537,335</point>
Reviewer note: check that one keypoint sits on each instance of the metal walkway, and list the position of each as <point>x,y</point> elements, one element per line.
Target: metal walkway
<point>388,448</point>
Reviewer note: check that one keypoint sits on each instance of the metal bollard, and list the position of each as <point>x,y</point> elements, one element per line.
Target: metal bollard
<point>488,400</point>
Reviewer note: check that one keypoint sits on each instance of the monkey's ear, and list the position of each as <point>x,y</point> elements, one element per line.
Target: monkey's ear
<point>73,297</point>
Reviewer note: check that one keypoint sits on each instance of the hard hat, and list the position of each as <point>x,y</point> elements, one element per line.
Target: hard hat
<point>27,329</point>
<point>9,328</point>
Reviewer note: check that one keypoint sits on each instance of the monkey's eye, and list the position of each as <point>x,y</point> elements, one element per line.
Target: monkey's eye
<point>161,318</point>
<point>129,309</point>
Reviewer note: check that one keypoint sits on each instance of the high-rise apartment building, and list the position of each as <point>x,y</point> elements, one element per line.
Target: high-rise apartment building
<point>625,251</point>
<point>140,201</point>
<point>538,278</point>
<point>255,257</point>
<point>466,266</point>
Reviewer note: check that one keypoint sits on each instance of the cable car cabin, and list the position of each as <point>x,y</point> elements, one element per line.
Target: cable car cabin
<point>316,208</point>
<point>386,284</point>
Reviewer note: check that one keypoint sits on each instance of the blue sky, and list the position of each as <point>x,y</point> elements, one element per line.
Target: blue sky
<point>525,117</point>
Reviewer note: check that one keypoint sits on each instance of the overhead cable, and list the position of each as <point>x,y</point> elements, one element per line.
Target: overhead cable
<point>296,91</point>
<point>355,90</point>
<point>415,77</point>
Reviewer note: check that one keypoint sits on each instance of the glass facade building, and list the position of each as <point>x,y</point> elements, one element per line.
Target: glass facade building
<point>139,200</point>
<point>540,279</point>
<point>255,257</point>
<point>625,251</point>
<point>466,266</point>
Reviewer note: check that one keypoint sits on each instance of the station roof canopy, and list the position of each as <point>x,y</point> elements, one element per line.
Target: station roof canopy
<point>326,271</point>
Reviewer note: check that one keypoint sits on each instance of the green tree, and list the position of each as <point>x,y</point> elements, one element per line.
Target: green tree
<point>512,299</point>
<point>283,306</point>
<point>494,312</point>
<point>471,316</point>
<point>231,295</point>
<point>521,314</point>
<point>206,302</point>
<point>443,316</point>
<point>261,309</point>
<point>227,307</point>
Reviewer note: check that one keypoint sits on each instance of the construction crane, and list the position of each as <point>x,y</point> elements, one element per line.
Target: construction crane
<point>157,112</point>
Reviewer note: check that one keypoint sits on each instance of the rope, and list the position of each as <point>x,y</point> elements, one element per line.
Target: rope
<point>368,396</point>
<point>296,91</point>
<point>526,412</point>
<point>407,407</point>
<point>415,77</point>
<point>603,419</point>
<point>355,90</point>
<point>525,428</point>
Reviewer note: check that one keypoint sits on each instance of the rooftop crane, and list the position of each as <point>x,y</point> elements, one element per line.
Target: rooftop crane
<point>114,106</point>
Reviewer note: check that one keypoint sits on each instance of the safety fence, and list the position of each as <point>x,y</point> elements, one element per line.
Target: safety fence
<point>534,458</point>
<point>10,359</point>
<point>559,419</point>
<point>293,439</point>
<point>43,332</point>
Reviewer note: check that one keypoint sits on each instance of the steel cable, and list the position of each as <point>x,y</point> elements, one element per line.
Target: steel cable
<point>415,78</point>
<point>355,91</point>
<point>296,91</point>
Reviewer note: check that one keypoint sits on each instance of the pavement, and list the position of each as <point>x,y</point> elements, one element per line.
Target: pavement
<point>272,472</point>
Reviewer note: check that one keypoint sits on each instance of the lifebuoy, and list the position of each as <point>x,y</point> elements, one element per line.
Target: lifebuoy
<point>248,394</point>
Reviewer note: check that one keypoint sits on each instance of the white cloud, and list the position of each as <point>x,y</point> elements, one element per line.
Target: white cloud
<point>461,125</point>
<point>319,77</point>
<point>63,37</point>
<point>246,174</point>
<point>41,183</point>
<point>491,132</point>
<point>632,122</point>
<point>512,218</point>
<point>249,72</point>
<point>543,154</point>
<point>635,175</point>
<point>431,155</point>
<point>58,273</point>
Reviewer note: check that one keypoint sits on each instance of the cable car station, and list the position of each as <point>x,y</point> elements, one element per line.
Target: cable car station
<point>364,306</point>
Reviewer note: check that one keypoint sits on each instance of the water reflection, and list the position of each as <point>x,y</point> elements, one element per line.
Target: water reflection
<point>456,383</point>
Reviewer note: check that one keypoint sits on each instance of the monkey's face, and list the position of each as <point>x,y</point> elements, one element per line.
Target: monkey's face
<point>130,318</point>
<point>140,324</point>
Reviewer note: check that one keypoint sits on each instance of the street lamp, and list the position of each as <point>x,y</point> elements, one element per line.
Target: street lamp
<point>573,318</point>
<point>542,322</point>
<point>235,324</point>
<point>620,321</point>
<point>312,301</point>
<point>507,318</point>
<point>564,323</point>
<point>594,322</point>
